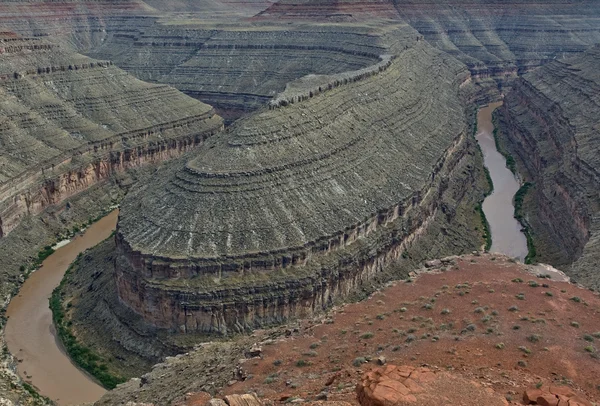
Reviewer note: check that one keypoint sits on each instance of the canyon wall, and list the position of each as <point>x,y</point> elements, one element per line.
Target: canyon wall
<point>300,205</point>
<point>238,69</point>
<point>495,39</point>
<point>70,122</point>
<point>549,123</point>
<point>218,53</point>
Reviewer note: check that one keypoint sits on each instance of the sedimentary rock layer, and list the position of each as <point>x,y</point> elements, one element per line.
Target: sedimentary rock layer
<point>238,69</point>
<point>495,39</point>
<point>550,123</point>
<point>297,205</point>
<point>70,121</point>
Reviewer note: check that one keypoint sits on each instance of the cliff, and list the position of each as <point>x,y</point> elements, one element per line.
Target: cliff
<point>462,317</point>
<point>549,123</point>
<point>496,39</point>
<point>70,122</point>
<point>289,211</point>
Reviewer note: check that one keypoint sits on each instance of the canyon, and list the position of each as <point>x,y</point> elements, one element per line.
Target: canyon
<point>60,133</point>
<point>273,160</point>
<point>549,124</point>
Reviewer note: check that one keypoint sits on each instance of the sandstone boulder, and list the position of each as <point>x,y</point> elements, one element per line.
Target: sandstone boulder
<point>406,385</point>
<point>553,396</point>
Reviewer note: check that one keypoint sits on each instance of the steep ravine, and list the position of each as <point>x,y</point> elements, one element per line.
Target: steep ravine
<point>549,123</point>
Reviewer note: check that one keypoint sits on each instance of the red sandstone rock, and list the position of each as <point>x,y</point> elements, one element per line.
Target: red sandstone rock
<point>392,385</point>
<point>553,396</point>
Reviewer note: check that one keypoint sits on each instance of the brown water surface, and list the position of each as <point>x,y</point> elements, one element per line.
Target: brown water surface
<point>30,333</point>
<point>507,237</point>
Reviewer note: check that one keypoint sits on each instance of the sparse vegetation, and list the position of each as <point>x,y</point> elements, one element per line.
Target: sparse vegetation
<point>367,335</point>
<point>83,356</point>
<point>358,361</point>
<point>518,200</point>
<point>302,363</point>
<point>524,349</point>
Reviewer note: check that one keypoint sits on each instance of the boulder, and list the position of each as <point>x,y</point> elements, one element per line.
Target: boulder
<point>553,396</point>
<point>435,263</point>
<point>391,385</point>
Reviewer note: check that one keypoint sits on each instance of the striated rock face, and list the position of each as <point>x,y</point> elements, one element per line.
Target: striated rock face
<point>70,122</point>
<point>238,69</point>
<point>82,23</point>
<point>550,124</point>
<point>495,39</point>
<point>298,205</point>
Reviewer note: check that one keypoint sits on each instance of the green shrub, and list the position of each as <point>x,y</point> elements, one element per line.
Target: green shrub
<point>358,361</point>
<point>302,363</point>
<point>81,355</point>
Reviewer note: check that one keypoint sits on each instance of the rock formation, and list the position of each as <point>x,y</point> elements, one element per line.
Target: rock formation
<point>549,123</point>
<point>406,385</point>
<point>553,396</point>
<point>239,70</point>
<point>70,122</point>
<point>494,39</point>
<point>456,332</point>
<point>299,205</point>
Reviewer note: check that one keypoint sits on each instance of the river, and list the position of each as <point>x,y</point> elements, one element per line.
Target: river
<point>507,237</point>
<point>30,333</point>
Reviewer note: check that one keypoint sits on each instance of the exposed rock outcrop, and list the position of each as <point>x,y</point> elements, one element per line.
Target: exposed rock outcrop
<point>406,385</point>
<point>295,207</point>
<point>71,122</point>
<point>549,123</point>
<point>554,396</point>
<point>494,39</point>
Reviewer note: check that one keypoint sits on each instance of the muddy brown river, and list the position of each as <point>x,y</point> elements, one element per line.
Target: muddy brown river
<point>507,237</point>
<point>31,337</point>
<point>30,333</point>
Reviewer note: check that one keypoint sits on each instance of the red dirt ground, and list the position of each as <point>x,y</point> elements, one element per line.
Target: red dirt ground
<point>456,320</point>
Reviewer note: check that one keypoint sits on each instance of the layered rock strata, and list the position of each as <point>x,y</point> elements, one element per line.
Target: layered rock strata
<point>549,123</point>
<point>238,70</point>
<point>297,206</point>
<point>70,122</point>
<point>495,39</point>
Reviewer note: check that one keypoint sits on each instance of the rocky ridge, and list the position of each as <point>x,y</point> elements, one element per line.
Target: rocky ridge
<point>495,39</point>
<point>61,134</point>
<point>316,191</point>
<point>549,124</point>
